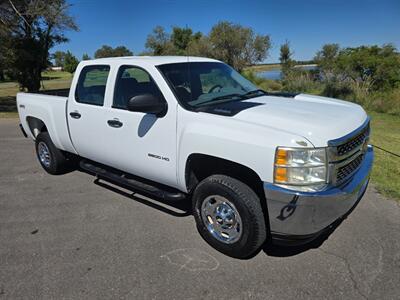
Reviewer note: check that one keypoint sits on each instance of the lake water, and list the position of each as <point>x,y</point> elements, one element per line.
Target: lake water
<point>276,74</point>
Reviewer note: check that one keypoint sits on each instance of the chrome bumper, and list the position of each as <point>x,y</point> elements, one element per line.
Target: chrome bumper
<point>296,216</point>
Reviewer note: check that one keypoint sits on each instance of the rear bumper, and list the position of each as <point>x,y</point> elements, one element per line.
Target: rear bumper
<point>299,217</point>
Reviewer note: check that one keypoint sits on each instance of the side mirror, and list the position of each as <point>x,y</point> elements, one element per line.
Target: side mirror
<point>148,103</point>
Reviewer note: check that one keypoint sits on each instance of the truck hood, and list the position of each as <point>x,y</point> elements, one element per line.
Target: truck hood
<point>318,119</point>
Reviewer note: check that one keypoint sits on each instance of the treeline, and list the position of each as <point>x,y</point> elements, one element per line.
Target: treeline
<point>29,29</point>
<point>232,43</point>
<point>68,62</point>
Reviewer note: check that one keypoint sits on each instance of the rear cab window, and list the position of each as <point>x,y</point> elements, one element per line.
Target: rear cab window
<point>91,85</point>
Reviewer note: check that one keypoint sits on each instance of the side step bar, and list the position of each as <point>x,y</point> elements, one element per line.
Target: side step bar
<point>130,182</point>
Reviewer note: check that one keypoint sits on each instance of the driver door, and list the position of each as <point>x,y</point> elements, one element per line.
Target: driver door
<point>142,144</point>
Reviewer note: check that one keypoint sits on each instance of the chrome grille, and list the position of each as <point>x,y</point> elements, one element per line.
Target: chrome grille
<point>349,168</point>
<point>353,143</point>
<point>346,154</point>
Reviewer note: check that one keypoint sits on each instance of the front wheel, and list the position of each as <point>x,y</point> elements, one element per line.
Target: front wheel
<point>229,216</point>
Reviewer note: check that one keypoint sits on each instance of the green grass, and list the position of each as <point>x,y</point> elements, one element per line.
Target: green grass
<point>386,171</point>
<point>51,81</point>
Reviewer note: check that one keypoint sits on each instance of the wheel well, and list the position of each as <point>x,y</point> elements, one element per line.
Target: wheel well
<point>200,166</point>
<point>36,126</point>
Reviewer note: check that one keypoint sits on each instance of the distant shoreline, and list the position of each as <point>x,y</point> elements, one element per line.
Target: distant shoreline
<point>268,67</point>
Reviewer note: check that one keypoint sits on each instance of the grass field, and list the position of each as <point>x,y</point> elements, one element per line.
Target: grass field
<point>386,172</point>
<point>385,133</point>
<point>8,90</point>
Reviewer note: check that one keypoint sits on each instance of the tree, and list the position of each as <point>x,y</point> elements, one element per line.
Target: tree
<point>85,56</point>
<point>285,58</point>
<point>3,60</point>
<point>232,43</point>
<point>70,62</point>
<point>238,46</point>
<point>30,28</point>
<point>200,47</point>
<point>59,57</point>
<point>104,51</point>
<point>181,37</point>
<point>326,59</point>
<point>107,51</point>
<point>159,42</point>
<point>122,51</point>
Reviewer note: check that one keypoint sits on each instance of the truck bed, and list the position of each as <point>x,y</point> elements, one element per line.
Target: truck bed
<point>49,109</point>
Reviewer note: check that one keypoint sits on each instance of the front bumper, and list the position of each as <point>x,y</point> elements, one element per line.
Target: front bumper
<point>298,217</point>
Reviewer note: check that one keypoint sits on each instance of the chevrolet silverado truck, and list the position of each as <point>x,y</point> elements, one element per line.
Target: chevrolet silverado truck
<point>258,167</point>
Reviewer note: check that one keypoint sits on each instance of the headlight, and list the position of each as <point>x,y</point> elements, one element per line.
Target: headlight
<point>300,166</point>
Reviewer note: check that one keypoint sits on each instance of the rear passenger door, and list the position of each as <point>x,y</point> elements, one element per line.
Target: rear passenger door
<point>87,115</point>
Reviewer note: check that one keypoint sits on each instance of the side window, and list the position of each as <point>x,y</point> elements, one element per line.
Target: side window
<point>133,81</point>
<point>92,85</point>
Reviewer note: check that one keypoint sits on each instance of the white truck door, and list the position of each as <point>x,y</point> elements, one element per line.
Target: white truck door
<point>87,115</point>
<point>135,142</point>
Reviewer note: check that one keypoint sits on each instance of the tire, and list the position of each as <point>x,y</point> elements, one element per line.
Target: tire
<point>222,203</point>
<point>50,158</point>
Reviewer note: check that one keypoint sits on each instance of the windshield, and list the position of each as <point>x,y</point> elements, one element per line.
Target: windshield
<point>198,84</point>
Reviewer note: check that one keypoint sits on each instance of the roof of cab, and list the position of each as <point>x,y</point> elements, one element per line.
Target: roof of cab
<point>154,60</point>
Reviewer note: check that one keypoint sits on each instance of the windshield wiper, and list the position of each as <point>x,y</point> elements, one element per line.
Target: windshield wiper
<point>255,92</point>
<point>215,100</point>
<point>229,96</point>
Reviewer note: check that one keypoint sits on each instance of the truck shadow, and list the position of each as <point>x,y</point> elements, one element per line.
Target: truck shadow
<point>183,209</point>
<point>173,208</point>
<point>271,249</point>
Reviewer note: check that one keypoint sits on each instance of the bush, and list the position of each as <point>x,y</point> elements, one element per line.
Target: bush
<point>301,81</point>
<point>382,101</point>
<point>336,89</point>
<point>270,85</point>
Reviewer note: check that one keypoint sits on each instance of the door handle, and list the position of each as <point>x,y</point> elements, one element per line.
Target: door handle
<point>75,115</point>
<point>114,123</point>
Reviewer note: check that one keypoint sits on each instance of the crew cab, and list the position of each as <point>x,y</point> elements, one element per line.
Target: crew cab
<point>258,167</point>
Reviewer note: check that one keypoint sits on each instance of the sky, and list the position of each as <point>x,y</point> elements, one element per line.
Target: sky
<point>307,24</point>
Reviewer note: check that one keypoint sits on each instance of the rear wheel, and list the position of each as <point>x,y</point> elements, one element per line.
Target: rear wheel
<point>229,216</point>
<point>53,160</point>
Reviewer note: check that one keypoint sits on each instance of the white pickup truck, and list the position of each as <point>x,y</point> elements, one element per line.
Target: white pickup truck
<point>258,167</point>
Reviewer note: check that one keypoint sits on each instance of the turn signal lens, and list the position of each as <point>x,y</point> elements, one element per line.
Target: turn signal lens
<point>281,157</point>
<point>281,174</point>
